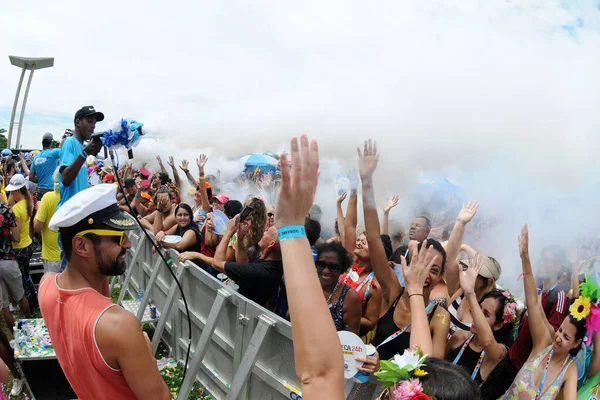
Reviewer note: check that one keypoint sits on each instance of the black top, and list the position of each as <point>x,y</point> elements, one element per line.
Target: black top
<point>468,360</point>
<point>193,227</point>
<point>337,310</point>
<point>387,327</point>
<point>258,280</point>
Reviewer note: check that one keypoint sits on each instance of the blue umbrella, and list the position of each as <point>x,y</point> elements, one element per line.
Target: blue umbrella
<point>263,162</point>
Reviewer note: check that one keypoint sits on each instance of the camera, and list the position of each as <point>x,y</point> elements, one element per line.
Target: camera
<point>68,133</point>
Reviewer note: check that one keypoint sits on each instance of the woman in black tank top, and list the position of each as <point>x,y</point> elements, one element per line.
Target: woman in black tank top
<point>396,301</point>
<point>387,327</point>
<point>485,346</point>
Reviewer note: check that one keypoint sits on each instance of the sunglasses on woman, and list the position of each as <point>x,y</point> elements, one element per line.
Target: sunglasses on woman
<point>321,265</point>
<point>270,214</point>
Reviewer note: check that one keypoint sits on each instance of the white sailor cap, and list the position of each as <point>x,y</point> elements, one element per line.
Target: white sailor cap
<point>91,207</point>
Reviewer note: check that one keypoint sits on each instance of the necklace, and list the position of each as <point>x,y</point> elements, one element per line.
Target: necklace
<point>333,292</point>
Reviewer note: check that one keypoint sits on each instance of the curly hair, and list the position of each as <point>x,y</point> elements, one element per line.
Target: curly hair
<point>258,222</point>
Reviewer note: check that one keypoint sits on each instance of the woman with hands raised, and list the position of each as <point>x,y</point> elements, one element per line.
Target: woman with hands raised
<point>550,366</point>
<point>318,358</point>
<point>482,348</point>
<point>393,335</point>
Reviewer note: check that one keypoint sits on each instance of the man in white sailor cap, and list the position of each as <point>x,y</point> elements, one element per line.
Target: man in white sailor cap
<point>100,346</point>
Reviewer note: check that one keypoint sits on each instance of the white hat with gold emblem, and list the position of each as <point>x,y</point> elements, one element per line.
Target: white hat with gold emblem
<point>92,207</point>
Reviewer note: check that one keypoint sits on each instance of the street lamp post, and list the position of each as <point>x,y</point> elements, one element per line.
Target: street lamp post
<point>31,64</point>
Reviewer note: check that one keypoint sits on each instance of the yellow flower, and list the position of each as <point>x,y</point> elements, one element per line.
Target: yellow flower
<point>580,309</point>
<point>419,373</point>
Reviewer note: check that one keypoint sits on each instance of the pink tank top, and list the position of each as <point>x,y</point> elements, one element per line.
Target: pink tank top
<point>71,317</point>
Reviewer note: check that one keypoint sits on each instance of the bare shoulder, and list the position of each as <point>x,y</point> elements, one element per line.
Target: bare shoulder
<point>116,325</point>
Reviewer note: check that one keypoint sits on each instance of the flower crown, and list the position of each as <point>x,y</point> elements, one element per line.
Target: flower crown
<point>586,307</point>
<point>510,308</point>
<point>403,373</point>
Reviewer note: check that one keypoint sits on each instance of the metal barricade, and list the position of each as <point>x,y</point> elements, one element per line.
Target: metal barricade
<point>239,350</point>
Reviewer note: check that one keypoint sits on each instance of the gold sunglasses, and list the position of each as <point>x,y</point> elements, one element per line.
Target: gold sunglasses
<point>105,232</point>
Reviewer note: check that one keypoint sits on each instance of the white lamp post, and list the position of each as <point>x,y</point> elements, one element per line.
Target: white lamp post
<point>31,64</point>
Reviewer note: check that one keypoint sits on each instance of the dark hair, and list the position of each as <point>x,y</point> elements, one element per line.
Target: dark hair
<point>400,252</point>
<point>343,256</point>
<point>11,164</point>
<point>164,178</point>
<point>581,331</point>
<point>186,208</point>
<point>387,246</point>
<point>46,143</point>
<point>66,238</point>
<point>427,221</point>
<point>503,335</point>
<point>437,246</point>
<point>446,381</point>
<point>313,230</point>
<point>208,192</point>
<point>232,208</point>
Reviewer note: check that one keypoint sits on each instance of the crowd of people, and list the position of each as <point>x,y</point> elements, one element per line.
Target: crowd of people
<point>406,293</point>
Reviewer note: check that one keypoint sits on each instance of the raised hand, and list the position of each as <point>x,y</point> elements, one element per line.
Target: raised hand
<point>159,159</point>
<point>341,199</point>
<point>201,161</point>
<point>243,229</point>
<point>171,162</point>
<point>420,264</point>
<point>391,203</point>
<point>524,242</point>
<point>298,184</point>
<point>368,159</point>
<point>467,212</point>
<point>184,166</point>
<point>468,276</point>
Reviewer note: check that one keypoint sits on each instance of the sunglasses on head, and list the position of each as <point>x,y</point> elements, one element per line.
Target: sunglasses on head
<point>120,235</point>
<point>321,265</point>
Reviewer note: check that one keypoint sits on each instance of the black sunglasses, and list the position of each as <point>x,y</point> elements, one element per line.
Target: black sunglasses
<point>321,265</point>
<point>270,214</point>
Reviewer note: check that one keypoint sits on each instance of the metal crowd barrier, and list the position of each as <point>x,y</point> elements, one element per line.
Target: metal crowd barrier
<point>239,349</point>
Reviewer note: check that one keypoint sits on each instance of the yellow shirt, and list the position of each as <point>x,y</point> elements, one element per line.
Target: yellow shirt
<point>50,249</point>
<point>20,210</point>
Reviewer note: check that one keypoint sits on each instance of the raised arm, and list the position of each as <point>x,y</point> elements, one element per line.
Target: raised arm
<point>391,203</point>
<point>186,170</point>
<point>385,275</point>
<point>349,238</point>
<point>241,253</point>
<point>595,361</point>
<point>201,161</point>
<point>415,276</point>
<point>176,177</point>
<point>319,360</point>
<point>539,333</point>
<point>465,215</point>
<point>485,334</point>
<point>160,164</point>
<point>341,220</point>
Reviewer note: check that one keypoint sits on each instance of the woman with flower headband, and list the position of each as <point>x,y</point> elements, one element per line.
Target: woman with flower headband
<point>480,350</point>
<point>394,327</point>
<point>550,367</point>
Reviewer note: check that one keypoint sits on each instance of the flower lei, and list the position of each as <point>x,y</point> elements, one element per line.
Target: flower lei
<point>403,373</point>
<point>586,307</point>
<point>510,308</point>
